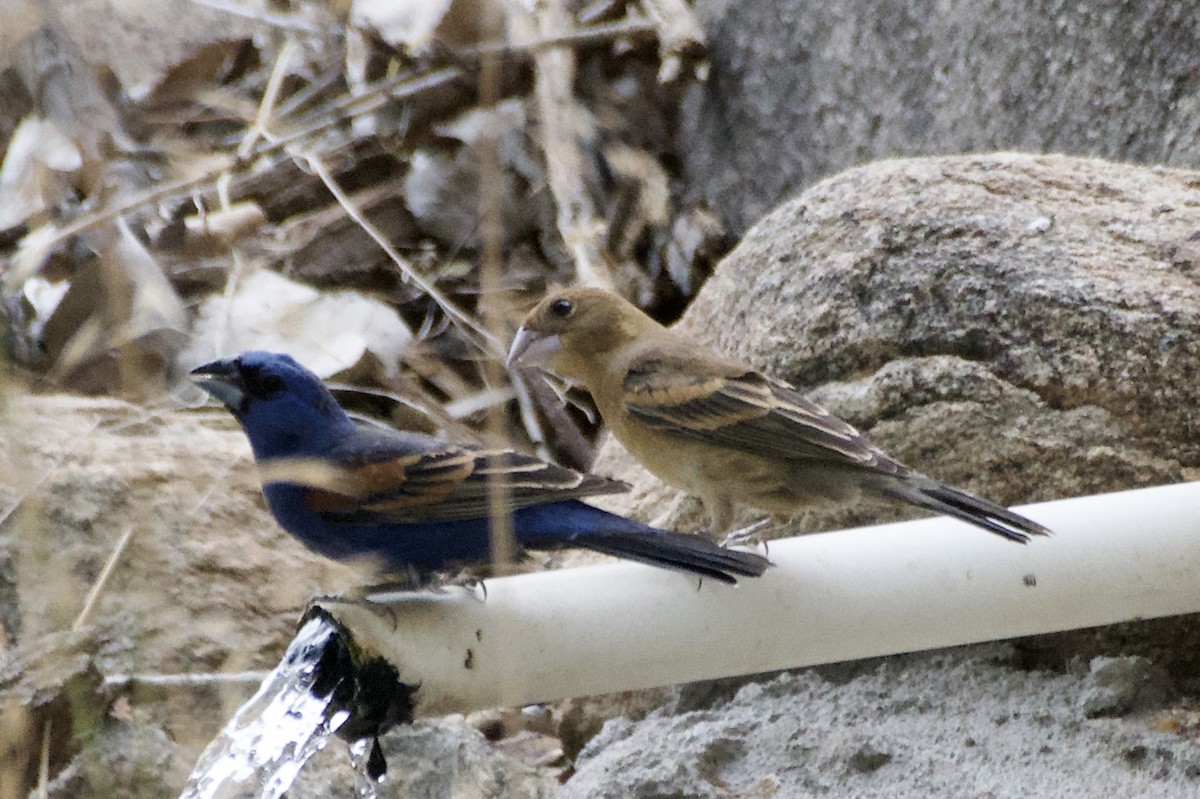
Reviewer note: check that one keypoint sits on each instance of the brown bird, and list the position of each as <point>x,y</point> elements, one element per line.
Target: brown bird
<point>718,429</point>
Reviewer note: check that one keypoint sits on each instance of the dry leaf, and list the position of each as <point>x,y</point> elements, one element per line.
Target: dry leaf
<point>36,172</point>
<point>329,332</point>
<point>120,324</point>
<point>141,41</point>
<point>417,24</point>
<point>442,189</point>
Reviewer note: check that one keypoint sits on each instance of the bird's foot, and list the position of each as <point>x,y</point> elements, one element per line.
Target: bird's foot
<point>747,536</point>
<point>474,583</point>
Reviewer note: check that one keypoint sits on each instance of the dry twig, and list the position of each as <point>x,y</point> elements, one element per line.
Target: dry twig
<point>582,230</point>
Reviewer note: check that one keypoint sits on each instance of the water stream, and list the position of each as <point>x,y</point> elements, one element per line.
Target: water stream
<point>291,717</point>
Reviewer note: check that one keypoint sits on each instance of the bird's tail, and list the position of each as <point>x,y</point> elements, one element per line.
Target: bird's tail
<point>684,552</point>
<point>600,531</point>
<point>940,498</point>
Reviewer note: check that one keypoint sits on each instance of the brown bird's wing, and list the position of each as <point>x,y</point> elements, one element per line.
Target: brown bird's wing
<point>404,477</point>
<point>727,405</point>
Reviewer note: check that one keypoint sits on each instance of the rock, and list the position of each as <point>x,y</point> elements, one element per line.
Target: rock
<point>580,719</point>
<point>51,696</point>
<point>802,90</point>
<point>430,760</point>
<point>1119,685</point>
<point>952,723</point>
<point>124,759</point>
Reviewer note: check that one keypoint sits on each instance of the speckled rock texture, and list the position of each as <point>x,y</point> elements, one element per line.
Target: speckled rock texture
<point>956,723</point>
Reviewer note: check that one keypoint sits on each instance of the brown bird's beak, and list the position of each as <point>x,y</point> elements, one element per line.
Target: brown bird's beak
<point>532,348</point>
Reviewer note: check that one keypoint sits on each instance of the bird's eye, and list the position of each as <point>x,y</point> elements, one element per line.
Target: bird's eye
<point>260,384</point>
<point>562,307</point>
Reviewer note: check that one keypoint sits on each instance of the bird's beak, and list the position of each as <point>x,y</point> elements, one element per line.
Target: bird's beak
<point>223,380</point>
<point>531,348</point>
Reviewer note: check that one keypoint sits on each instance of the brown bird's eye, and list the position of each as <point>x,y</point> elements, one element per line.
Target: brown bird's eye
<point>562,307</point>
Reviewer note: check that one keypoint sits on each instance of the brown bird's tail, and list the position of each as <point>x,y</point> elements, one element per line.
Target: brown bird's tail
<point>940,498</point>
<point>683,552</point>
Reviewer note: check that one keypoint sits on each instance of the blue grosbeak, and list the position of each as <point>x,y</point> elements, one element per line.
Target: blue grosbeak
<point>718,429</point>
<point>414,503</point>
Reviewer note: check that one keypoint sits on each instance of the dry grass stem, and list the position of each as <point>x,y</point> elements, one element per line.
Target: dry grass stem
<point>97,588</point>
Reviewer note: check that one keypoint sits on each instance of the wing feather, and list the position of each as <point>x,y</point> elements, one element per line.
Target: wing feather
<point>380,475</point>
<point>730,406</point>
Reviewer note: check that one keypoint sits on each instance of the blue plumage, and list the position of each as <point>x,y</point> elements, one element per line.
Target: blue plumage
<point>414,503</point>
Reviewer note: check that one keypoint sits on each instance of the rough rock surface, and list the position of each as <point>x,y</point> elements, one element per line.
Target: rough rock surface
<point>802,89</point>
<point>954,723</point>
<point>431,760</point>
<point>1022,326</point>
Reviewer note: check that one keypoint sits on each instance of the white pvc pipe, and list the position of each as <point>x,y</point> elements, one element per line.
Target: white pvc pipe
<point>830,597</point>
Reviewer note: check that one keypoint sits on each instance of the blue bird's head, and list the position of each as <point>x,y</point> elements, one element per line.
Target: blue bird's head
<point>284,408</point>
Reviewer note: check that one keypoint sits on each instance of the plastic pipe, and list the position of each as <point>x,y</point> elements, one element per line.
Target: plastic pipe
<point>831,597</point>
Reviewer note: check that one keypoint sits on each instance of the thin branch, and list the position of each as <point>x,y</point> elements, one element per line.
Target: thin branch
<point>266,106</point>
<point>399,87</point>
<point>488,398</point>
<point>581,228</point>
<point>44,762</point>
<point>631,27</point>
<point>486,340</point>
<point>44,243</point>
<point>198,680</point>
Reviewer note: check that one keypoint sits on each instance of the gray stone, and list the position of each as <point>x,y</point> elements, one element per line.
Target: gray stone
<point>952,723</point>
<point>123,759</point>
<point>1119,685</point>
<point>442,759</point>
<point>802,89</point>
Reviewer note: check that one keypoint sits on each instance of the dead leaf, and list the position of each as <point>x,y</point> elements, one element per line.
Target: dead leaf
<point>37,170</point>
<point>415,25</point>
<point>120,324</point>
<point>329,332</point>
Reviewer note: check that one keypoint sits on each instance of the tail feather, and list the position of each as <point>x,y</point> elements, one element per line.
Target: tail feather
<point>684,552</point>
<point>940,498</point>
<point>578,524</point>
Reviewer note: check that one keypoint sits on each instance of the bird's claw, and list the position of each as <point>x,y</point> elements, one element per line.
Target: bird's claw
<point>475,583</point>
<point>747,536</point>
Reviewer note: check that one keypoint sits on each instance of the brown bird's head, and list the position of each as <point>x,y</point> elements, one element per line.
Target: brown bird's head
<point>568,328</point>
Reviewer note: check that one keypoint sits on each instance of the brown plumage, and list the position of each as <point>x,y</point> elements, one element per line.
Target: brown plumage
<point>718,429</point>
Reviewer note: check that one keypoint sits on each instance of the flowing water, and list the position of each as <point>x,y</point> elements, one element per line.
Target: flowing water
<point>289,719</point>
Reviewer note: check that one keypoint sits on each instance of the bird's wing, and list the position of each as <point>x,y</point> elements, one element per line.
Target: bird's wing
<point>725,404</point>
<point>384,476</point>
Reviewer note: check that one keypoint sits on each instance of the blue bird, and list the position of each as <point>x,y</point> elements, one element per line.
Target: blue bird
<point>417,505</point>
